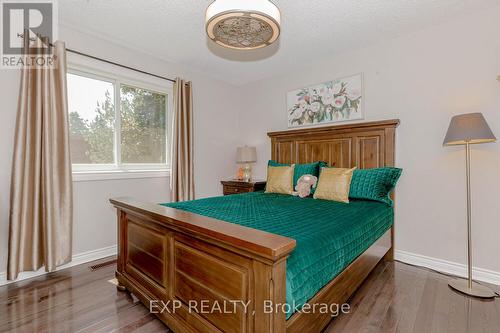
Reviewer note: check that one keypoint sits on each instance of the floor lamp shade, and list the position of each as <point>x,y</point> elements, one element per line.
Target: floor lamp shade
<point>471,128</point>
<point>467,129</point>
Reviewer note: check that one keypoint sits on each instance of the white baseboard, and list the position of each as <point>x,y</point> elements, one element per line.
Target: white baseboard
<point>440,265</point>
<point>447,267</point>
<point>78,259</point>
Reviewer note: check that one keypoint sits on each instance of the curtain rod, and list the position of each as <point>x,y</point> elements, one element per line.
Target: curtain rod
<point>119,65</point>
<point>108,61</point>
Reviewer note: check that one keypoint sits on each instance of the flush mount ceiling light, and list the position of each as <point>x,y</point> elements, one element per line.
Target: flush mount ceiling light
<point>243,24</point>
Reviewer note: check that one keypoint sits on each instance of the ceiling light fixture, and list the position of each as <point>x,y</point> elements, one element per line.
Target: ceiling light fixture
<point>243,24</point>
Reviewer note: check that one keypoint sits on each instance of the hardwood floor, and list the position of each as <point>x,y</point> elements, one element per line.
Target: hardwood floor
<point>395,298</point>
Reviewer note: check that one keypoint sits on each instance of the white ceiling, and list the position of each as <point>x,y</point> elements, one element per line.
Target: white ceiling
<point>311,29</point>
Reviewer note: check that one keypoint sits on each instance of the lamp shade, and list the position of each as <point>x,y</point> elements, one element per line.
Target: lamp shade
<point>468,128</point>
<point>246,154</point>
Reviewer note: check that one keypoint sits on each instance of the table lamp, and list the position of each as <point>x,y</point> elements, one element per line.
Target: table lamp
<point>468,129</point>
<point>246,155</point>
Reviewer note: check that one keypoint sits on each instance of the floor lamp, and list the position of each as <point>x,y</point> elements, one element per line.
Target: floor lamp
<point>468,129</point>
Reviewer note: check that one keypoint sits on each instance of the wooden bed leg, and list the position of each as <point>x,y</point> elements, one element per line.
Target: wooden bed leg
<point>121,287</point>
<point>270,282</point>
<point>389,256</point>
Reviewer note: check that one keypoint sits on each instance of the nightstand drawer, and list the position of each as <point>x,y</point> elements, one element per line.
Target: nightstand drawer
<point>235,189</point>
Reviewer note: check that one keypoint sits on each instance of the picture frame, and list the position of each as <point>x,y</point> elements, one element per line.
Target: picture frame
<point>332,101</point>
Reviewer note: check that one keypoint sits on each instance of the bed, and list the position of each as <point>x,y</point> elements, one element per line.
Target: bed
<point>263,252</point>
<point>329,235</point>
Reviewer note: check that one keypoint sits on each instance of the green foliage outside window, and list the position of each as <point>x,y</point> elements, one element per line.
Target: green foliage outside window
<point>143,129</point>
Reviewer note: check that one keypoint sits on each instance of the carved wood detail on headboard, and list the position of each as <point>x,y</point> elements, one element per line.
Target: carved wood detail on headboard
<point>365,145</point>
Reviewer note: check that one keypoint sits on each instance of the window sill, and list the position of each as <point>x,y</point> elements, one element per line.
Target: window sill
<point>86,176</point>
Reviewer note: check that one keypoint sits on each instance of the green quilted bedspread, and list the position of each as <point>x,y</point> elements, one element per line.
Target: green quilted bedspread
<point>329,235</point>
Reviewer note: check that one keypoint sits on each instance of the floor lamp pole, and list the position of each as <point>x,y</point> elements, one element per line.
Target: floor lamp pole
<point>469,216</point>
<point>468,286</point>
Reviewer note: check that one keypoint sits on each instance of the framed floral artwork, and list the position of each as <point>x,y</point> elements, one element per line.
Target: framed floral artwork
<point>328,102</point>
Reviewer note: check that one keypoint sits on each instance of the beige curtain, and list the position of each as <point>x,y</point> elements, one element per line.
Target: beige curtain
<point>40,231</point>
<point>182,178</point>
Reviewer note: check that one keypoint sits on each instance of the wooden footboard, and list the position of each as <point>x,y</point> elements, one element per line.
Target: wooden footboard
<point>199,274</point>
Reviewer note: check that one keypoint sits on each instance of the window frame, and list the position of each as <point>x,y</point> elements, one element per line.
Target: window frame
<point>84,172</point>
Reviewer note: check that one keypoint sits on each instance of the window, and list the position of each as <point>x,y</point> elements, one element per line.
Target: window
<point>117,124</point>
<point>91,105</point>
<point>143,126</point>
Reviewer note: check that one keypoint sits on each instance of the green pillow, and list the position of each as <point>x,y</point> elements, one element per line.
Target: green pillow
<point>374,184</point>
<point>302,169</point>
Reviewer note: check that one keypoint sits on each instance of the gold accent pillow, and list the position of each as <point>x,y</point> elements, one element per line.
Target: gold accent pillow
<point>334,184</point>
<point>280,179</point>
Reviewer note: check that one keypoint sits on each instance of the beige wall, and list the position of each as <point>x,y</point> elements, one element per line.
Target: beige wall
<point>94,218</point>
<point>422,79</point>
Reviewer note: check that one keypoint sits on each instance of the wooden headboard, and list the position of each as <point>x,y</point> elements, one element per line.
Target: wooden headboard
<point>365,145</point>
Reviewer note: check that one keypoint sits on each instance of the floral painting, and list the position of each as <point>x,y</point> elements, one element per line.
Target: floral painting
<point>332,101</point>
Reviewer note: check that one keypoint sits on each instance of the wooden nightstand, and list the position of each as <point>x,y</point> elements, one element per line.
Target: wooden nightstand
<point>236,186</point>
